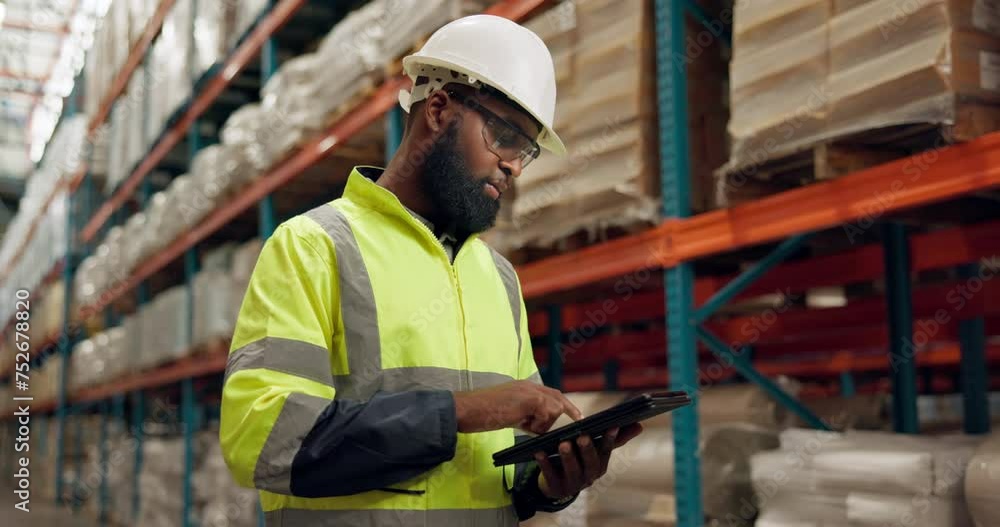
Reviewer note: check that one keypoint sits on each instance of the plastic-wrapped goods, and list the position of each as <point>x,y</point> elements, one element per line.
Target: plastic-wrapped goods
<point>116,353</point>
<point>220,258</point>
<point>251,129</point>
<point>222,502</point>
<point>132,340</point>
<point>216,305</point>
<point>119,467</point>
<point>162,477</point>
<point>48,245</point>
<point>245,259</point>
<point>872,476</point>
<point>163,326</point>
<point>170,69</point>
<point>209,44</point>
<point>117,149</point>
<point>137,248</point>
<point>219,171</point>
<point>180,196</point>
<point>982,479</point>
<point>877,510</point>
<point>610,176</point>
<point>791,509</point>
<point>647,464</point>
<point>115,262</point>
<point>85,365</point>
<point>86,289</point>
<point>807,71</point>
<point>157,219</point>
<point>359,39</point>
<point>403,21</point>
<point>293,101</point>
<point>244,15</point>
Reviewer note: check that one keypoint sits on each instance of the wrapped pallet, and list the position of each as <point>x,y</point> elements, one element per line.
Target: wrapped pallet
<point>221,501</point>
<point>162,475</point>
<point>251,129</point>
<point>638,487</point>
<point>810,73</point>
<point>242,17</point>
<point>218,171</point>
<point>216,305</point>
<point>982,479</point>
<point>606,114</point>
<point>864,477</point>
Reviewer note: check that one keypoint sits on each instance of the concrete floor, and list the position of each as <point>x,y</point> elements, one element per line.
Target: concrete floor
<point>43,513</point>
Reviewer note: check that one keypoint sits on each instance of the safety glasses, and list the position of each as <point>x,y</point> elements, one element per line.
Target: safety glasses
<point>502,138</point>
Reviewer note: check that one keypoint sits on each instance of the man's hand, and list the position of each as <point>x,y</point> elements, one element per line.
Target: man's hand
<point>580,467</point>
<point>521,404</point>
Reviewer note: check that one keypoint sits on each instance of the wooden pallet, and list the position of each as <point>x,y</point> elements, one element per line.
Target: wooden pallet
<point>834,158</point>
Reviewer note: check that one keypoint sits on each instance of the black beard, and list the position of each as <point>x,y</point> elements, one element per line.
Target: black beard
<point>458,197</point>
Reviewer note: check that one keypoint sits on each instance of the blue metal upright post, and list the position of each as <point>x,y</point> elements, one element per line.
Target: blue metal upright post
<point>902,360</point>
<point>393,132</point>
<point>268,66</point>
<point>682,356</point>
<point>103,464</point>
<point>975,381</point>
<point>847,387</point>
<point>138,418</point>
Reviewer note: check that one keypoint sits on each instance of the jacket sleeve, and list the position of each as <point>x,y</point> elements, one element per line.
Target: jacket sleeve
<point>526,495</point>
<point>281,428</point>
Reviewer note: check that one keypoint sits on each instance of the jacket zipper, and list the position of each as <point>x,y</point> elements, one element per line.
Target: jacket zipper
<point>465,381</point>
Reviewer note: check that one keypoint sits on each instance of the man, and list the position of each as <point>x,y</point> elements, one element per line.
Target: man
<point>382,353</point>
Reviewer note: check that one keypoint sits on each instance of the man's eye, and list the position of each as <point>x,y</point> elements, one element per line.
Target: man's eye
<point>507,138</point>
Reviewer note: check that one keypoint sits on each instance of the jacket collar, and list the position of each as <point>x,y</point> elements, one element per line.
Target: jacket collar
<point>362,190</point>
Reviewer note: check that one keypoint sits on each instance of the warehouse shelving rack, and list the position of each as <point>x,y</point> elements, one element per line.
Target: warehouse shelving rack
<point>672,246</point>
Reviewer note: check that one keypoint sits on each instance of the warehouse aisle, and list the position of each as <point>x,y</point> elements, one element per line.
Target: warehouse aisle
<point>43,513</point>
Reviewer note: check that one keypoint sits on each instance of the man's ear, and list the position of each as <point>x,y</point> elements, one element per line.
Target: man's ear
<point>438,112</point>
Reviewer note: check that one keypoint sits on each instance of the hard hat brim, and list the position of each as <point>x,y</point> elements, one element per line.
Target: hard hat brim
<point>547,139</point>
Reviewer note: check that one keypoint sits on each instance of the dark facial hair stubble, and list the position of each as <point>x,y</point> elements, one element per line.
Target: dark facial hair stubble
<point>456,193</point>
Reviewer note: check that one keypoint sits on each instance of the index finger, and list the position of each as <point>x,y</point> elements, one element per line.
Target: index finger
<point>568,407</point>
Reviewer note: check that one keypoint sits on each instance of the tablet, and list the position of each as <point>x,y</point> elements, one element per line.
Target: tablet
<point>623,414</point>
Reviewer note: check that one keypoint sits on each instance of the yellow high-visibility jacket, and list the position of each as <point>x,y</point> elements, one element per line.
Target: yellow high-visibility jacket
<point>354,332</point>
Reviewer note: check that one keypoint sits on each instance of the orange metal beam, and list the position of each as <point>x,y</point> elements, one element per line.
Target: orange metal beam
<point>943,356</point>
<point>60,30</point>
<point>247,51</point>
<point>936,250</point>
<point>11,75</point>
<point>188,367</point>
<point>863,196</point>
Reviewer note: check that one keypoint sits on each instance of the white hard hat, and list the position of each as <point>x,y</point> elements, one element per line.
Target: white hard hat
<point>499,53</point>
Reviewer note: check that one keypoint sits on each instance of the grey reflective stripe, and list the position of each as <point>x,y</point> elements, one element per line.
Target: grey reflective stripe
<point>535,378</point>
<point>357,306</point>
<point>500,517</point>
<point>509,279</point>
<point>274,465</point>
<point>289,356</point>
<point>395,380</point>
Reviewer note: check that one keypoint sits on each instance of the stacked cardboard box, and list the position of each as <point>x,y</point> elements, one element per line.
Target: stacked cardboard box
<point>809,72</point>
<point>606,114</point>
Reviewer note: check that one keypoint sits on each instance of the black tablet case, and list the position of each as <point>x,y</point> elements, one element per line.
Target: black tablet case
<point>631,411</point>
